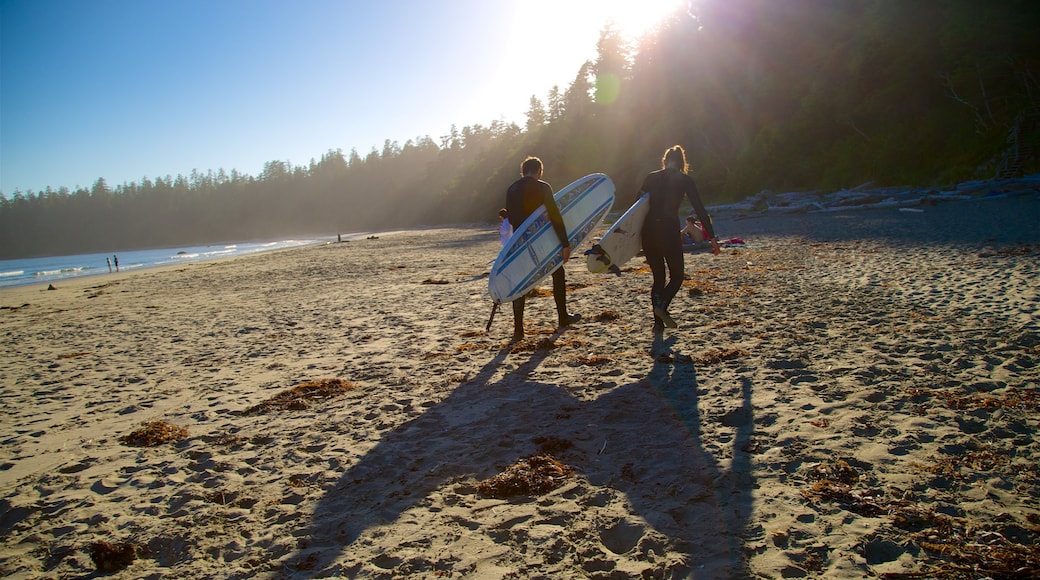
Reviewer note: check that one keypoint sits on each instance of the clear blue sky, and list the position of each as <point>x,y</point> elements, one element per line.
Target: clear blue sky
<point>127,89</point>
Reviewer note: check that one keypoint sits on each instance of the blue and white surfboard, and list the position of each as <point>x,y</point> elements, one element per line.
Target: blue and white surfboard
<point>535,251</point>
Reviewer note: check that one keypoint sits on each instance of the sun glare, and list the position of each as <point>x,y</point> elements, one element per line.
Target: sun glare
<point>633,18</point>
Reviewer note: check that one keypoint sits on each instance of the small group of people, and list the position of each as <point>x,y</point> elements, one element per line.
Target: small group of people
<point>662,236</point>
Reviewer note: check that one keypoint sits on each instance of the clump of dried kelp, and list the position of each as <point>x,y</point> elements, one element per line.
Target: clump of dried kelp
<point>591,360</point>
<point>534,475</point>
<point>154,433</point>
<point>699,287</point>
<point>302,396</point>
<point>956,548</point>
<point>962,549</point>
<point>1012,398</point>
<point>717,355</point>
<point>109,557</point>
<point>834,482</point>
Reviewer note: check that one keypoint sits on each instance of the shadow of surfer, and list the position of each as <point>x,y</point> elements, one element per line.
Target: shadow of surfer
<point>485,424</point>
<point>668,470</point>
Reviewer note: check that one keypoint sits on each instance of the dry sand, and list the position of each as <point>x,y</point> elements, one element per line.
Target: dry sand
<point>850,395</point>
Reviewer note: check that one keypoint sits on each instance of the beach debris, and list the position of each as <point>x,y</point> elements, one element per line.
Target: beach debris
<point>109,557</point>
<point>1028,399</point>
<point>607,316</point>
<point>729,324</point>
<point>535,475</point>
<point>545,344</point>
<point>838,471</point>
<point>1007,252</point>
<point>673,358</point>
<point>717,355</point>
<point>962,548</point>
<point>471,346</point>
<point>154,433</point>
<point>26,305</point>
<point>700,287</point>
<point>956,548</point>
<point>868,197</point>
<point>435,281</point>
<point>302,396</point>
<point>966,465</point>
<point>834,481</point>
<point>228,439</point>
<point>591,360</point>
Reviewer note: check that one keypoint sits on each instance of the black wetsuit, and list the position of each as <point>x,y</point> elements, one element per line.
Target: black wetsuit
<point>523,197</point>
<point>662,242</point>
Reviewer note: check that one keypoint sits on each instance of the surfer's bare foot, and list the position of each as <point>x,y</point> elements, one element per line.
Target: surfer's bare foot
<point>664,317</point>
<point>569,319</point>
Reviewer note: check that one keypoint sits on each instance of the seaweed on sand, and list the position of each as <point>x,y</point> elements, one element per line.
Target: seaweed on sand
<point>535,475</point>
<point>302,396</point>
<point>109,557</point>
<point>718,355</point>
<point>154,433</point>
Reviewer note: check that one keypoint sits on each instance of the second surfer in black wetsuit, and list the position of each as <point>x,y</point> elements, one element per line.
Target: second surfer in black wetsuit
<point>662,240</point>
<point>523,197</point>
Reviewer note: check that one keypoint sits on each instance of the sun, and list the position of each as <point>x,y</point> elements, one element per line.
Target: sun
<point>634,18</point>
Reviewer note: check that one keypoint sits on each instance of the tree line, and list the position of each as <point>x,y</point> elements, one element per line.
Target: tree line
<point>792,95</point>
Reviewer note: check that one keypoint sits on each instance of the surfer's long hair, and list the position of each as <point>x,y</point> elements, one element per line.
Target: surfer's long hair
<point>675,157</point>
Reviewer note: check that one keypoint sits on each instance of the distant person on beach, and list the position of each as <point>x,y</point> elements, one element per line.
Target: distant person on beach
<point>505,231</point>
<point>115,259</point>
<point>662,241</point>
<point>523,197</point>
<point>692,233</point>
<point>109,262</point>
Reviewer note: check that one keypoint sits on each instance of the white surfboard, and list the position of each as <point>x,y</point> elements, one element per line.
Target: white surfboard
<point>622,241</point>
<point>534,251</point>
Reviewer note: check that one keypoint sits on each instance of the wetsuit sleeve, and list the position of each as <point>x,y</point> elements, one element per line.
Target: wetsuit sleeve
<point>698,208</point>
<point>555,217</point>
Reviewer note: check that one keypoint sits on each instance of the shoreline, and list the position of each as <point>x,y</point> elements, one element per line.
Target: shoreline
<point>839,388</point>
<point>127,268</point>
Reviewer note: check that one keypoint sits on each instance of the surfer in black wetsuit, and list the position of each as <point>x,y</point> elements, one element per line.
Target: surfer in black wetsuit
<point>523,197</point>
<point>662,241</point>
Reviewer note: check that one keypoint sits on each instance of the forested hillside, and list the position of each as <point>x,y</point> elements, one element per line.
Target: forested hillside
<point>764,94</point>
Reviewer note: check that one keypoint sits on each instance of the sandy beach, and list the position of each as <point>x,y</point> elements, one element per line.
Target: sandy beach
<point>848,394</point>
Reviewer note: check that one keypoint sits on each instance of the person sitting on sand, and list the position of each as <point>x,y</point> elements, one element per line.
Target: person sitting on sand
<point>693,233</point>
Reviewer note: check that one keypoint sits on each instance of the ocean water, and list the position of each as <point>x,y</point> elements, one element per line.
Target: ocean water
<point>57,268</point>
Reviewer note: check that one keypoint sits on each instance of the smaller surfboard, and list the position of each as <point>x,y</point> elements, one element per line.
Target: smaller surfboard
<point>622,241</point>
<point>534,251</point>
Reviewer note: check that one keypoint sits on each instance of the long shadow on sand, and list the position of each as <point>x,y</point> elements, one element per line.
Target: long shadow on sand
<point>642,439</point>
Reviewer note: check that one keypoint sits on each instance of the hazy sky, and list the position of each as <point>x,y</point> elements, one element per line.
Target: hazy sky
<point>127,89</point>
